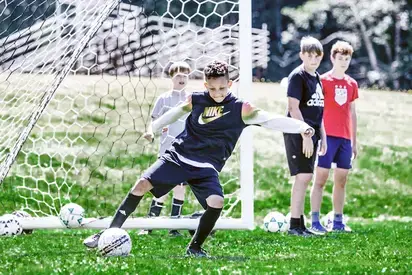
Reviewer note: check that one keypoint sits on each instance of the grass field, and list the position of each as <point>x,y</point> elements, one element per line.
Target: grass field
<point>107,158</point>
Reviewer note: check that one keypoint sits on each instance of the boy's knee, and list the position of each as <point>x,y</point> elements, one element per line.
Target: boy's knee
<point>215,201</point>
<point>141,187</point>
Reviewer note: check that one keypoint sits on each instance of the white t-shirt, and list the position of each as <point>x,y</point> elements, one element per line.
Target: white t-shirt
<point>164,103</point>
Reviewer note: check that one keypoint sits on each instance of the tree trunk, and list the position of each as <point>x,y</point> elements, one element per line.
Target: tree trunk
<point>368,43</point>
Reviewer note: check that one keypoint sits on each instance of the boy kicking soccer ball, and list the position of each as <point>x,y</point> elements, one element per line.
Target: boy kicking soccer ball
<point>340,91</point>
<point>216,120</point>
<point>179,72</point>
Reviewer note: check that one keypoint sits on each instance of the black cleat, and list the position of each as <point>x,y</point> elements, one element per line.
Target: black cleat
<point>198,253</point>
<point>300,232</point>
<point>175,233</point>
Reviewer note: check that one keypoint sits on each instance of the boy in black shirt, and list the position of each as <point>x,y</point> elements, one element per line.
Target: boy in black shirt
<point>305,102</point>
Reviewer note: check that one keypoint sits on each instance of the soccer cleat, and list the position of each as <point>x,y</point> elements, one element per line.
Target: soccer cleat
<point>311,232</point>
<point>341,227</point>
<point>299,232</point>
<point>175,233</point>
<point>93,240</point>
<point>318,228</point>
<point>144,232</point>
<point>198,253</point>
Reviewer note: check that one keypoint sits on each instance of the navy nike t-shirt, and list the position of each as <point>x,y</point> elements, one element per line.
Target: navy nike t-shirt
<point>308,90</point>
<point>211,131</point>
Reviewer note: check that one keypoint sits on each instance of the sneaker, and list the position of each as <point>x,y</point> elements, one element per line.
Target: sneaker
<point>318,228</point>
<point>299,232</point>
<point>198,253</point>
<point>341,227</point>
<point>311,232</point>
<point>175,233</point>
<point>144,232</point>
<point>93,240</point>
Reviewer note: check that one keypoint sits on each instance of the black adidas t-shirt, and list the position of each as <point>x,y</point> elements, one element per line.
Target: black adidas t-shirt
<point>308,90</point>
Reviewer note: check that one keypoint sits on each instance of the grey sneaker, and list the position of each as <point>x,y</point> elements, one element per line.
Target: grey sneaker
<point>93,240</point>
<point>144,232</point>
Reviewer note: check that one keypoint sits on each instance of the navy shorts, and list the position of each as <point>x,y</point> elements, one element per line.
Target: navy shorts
<point>168,171</point>
<point>339,151</point>
<point>298,163</point>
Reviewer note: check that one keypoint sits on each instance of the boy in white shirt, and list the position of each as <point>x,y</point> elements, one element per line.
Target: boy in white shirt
<point>179,73</point>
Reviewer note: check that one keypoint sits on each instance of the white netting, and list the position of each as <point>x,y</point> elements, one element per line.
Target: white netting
<point>87,146</point>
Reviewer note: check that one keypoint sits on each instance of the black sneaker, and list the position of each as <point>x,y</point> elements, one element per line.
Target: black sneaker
<point>175,233</point>
<point>198,253</point>
<point>300,232</point>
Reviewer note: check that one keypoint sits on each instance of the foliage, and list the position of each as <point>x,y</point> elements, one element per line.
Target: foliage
<point>378,31</point>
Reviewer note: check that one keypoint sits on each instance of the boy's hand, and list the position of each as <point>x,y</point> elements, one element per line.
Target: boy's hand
<point>307,146</point>
<point>354,151</point>
<point>323,147</point>
<point>165,129</point>
<point>149,136</point>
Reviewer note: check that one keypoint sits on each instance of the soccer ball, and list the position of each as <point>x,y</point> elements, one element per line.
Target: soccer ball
<point>327,220</point>
<point>115,242</point>
<point>23,214</point>
<point>275,222</point>
<point>71,215</point>
<point>10,226</point>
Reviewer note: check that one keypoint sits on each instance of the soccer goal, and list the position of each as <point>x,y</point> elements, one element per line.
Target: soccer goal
<point>78,80</point>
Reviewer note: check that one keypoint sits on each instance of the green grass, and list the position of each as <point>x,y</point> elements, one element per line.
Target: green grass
<point>373,248</point>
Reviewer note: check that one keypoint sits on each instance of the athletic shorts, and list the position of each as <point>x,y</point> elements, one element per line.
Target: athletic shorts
<point>297,161</point>
<point>168,171</point>
<point>339,152</point>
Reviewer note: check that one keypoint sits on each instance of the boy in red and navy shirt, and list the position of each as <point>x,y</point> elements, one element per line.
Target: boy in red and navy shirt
<point>340,92</point>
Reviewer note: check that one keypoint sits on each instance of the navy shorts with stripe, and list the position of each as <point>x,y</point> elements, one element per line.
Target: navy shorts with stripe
<point>168,171</point>
<point>339,151</point>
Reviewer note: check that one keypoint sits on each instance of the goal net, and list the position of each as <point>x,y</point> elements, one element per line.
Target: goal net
<point>78,81</point>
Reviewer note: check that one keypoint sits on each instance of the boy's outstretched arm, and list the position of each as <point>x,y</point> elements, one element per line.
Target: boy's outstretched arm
<point>169,117</point>
<point>252,116</point>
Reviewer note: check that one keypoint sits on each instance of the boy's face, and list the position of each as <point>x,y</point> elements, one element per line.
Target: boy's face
<point>180,80</point>
<point>218,88</point>
<point>311,60</point>
<point>341,62</point>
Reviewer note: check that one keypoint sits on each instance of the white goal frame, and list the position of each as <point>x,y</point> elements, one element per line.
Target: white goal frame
<point>246,221</point>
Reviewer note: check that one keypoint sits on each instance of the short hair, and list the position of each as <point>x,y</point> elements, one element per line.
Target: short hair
<point>179,67</point>
<point>342,47</point>
<point>309,44</point>
<point>216,69</point>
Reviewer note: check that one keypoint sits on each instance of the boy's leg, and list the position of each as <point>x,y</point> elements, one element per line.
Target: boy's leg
<point>178,200</point>
<point>159,179</point>
<point>321,176</point>
<point>209,193</point>
<point>155,208</point>
<point>343,165</point>
<point>297,200</point>
<point>177,205</point>
<point>129,204</point>
<point>301,167</point>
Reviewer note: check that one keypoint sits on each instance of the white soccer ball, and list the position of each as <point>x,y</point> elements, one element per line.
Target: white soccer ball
<point>23,214</point>
<point>71,215</point>
<point>10,226</point>
<point>275,222</point>
<point>115,242</point>
<point>327,220</point>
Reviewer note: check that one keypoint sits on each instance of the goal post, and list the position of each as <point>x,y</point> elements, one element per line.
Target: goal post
<point>78,85</point>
